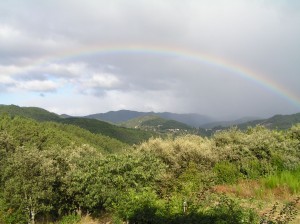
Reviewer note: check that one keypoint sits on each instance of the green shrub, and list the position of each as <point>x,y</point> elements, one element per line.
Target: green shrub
<point>137,207</point>
<point>227,172</point>
<point>70,219</point>
<point>229,211</point>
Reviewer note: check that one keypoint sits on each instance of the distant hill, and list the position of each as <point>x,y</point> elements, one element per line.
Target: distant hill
<point>229,123</point>
<point>65,116</point>
<point>117,116</point>
<point>126,135</point>
<point>279,122</point>
<point>147,120</point>
<point>156,123</point>
<point>35,113</point>
<point>194,120</point>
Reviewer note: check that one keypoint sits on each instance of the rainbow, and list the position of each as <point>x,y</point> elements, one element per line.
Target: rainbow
<point>226,65</point>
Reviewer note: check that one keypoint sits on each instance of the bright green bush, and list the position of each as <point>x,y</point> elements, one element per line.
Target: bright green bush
<point>227,172</point>
<point>137,206</point>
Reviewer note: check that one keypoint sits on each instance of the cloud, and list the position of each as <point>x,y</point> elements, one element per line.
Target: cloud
<point>51,47</point>
<point>38,86</point>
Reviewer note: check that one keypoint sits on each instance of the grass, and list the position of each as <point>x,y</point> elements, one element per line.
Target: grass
<point>263,195</point>
<point>288,179</point>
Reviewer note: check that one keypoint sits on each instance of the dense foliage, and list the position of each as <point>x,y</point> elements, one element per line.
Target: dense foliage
<point>52,171</point>
<point>35,113</point>
<point>125,135</point>
<point>158,124</point>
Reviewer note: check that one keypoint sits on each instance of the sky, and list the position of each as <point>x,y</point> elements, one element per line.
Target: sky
<point>220,58</point>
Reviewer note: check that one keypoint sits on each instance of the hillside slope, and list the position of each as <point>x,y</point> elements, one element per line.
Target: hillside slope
<point>28,132</point>
<point>279,122</point>
<point>156,123</point>
<point>125,135</point>
<point>35,113</point>
<point>194,120</point>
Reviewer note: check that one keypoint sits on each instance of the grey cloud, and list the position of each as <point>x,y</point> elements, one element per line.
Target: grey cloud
<point>36,38</point>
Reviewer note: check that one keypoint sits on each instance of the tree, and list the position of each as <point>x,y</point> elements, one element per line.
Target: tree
<point>28,177</point>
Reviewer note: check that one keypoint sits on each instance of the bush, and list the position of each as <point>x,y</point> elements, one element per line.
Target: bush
<point>70,219</point>
<point>179,152</point>
<point>226,172</point>
<point>229,211</point>
<point>144,208</point>
<point>137,207</point>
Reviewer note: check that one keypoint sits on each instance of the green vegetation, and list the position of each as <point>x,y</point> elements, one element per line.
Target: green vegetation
<point>158,124</point>
<point>30,133</point>
<point>280,122</point>
<point>29,112</point>
<point>125,135</point>
<point>60,173</point>
<point>286,178</point>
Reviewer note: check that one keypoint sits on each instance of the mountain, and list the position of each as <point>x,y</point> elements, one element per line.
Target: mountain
<point>194,120</point>
<point>35,113</point>
<point>117,116</point>
<point>158,124</point>
<point>229,123</point>
<point>279,122</point>
<point>65,116</point>
<point>42,135</point>
<point>125,135</point>
<point>148,121</point>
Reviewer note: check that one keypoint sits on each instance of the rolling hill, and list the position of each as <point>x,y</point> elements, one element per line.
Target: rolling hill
<point>157,124</point>
<point>193,120</point>
<point>125,135</point>
<point>229,123</point>
<point>279,122</point>
<point>147,122</point>
<point>35,113</point>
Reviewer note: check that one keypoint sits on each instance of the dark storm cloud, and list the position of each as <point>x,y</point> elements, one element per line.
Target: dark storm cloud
<point>263,36</point>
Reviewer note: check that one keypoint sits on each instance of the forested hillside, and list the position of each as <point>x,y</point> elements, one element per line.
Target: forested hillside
<point>276,122</point>
<point>193,120</point>
<point>126,135</point>
<point>35,113</point>
<point>53,172</point>
<point>158,124</point>
<point>28,132</point>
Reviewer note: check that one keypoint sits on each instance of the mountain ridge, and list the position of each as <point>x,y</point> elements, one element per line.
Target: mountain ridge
<point>112,130</point>
<point>158,124</point>
<point>125,135</point>
<point>191,119</point>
